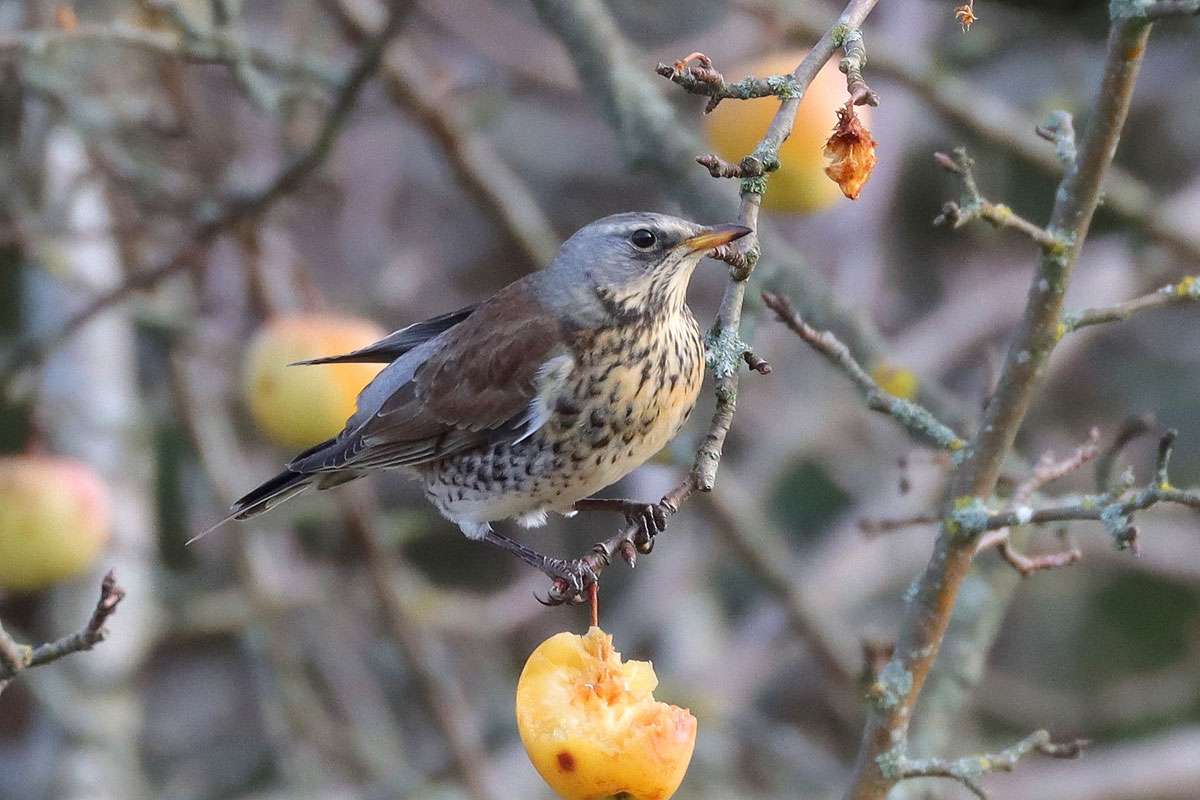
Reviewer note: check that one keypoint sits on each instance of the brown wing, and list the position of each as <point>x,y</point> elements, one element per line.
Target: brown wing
<point>477,383</point>
<point>396,344</point>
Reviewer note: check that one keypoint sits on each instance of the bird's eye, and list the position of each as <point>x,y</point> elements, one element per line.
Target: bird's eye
<point>643,239</point>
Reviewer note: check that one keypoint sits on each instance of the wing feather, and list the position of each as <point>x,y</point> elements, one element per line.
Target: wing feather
<point>396,344</point>
<point>477,381</point>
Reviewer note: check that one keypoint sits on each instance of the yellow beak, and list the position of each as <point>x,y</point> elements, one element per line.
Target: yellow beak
<point>715,236</point>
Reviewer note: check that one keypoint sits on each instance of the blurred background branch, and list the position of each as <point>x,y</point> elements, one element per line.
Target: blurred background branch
<point>15,657</point>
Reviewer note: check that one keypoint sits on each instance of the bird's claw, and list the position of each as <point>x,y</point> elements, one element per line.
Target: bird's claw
<point>555,597</point>
<point>651,520</point>
<point>570,581</point>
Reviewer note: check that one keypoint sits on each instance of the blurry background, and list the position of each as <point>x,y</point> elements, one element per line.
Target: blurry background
<point>355,645</point>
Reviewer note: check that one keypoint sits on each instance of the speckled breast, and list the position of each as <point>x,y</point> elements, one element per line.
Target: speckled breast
<point>630,392</point>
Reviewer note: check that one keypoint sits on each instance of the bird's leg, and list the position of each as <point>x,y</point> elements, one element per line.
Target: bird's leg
<point>572,578</point>
<point>651,518</point>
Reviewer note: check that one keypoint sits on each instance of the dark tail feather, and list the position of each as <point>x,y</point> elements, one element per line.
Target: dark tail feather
<point>264,498</point>
<point>270,494</point>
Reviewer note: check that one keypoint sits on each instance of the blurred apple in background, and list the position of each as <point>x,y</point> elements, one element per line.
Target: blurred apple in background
<point>54,519</point>
<point>800,185</point>
<point>303,405</point>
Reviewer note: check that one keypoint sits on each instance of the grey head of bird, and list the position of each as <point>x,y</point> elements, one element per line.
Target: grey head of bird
<point>623,267</point>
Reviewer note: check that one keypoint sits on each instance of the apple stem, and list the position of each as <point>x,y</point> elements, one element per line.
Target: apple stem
<point>594,600</point>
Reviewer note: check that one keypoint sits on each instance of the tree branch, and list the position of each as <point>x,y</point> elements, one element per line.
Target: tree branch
<point>1186,290</point>
<point>1114,508</point>
<point>215,218</point>
<point>969,769</point>
<point>1132,428</point>
<point>973,205</point>
<point>15,658</point>
<point>209,47</point>
<point>994,120</point>
<point>915,418</point>
<point>726,349</point>
<point>703,79</point>
<point>935,592</point>
<point>1047,470</point>
<point>852,64</point>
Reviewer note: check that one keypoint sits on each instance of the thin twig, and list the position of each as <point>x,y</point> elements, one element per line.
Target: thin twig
<point>1186,290</point>
<point>915,418</point>
<point>720,168</point>
<point>757,363</point>
<point>1152,766</point>
<point>1113,508</point>
<point>973,205</point>
<point>1028,565</point>
<point>1048,470</point>
<point>873,528</point>
<point>15,658</point>
<point>704,79</point>
<point>732,256</point>
<point>1059,128</point>
<point>969,769</point>
<point>852,64</point>
<point>1132,428</point>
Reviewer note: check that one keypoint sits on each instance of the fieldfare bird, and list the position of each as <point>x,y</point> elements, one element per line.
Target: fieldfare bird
<point>530,402</point>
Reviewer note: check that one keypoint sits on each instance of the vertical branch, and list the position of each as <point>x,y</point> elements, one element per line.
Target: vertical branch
<point>586,29</point>
<point>929,612</point>
<point>729,315</point>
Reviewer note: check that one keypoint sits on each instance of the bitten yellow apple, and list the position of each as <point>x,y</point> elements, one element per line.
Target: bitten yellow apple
<point>800,185</point>
<point>592,727</point>
<point>54,519</point>
<point>303,405</point>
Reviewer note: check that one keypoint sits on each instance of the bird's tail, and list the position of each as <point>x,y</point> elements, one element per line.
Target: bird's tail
<point>283,486</point>
<point>270,494</point>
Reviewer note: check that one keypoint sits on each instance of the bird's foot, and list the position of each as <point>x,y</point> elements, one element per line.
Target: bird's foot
<point>650,518</point>
<point>571,581</point>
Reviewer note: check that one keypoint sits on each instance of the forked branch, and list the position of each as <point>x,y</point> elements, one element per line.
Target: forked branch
<point>969,769</point>
<point>15,658</point>
<point>973,205</point>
